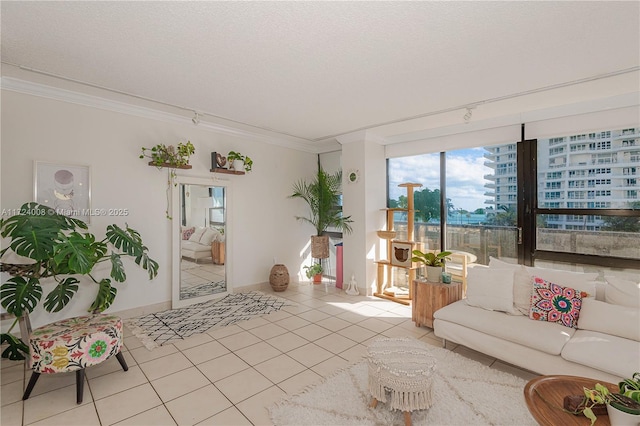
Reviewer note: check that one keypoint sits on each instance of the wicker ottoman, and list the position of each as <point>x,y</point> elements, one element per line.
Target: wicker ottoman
<point>403,368</point>
<point>74,344</point>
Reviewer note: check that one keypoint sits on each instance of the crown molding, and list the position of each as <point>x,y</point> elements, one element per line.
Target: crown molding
<point>78,98</point>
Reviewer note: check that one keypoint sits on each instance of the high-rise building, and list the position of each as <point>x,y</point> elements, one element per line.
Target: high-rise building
<point>598,170</point>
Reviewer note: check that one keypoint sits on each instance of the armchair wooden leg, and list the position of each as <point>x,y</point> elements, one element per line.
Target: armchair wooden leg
<point>79,385</point>
<point>32,382</point>
<point>122,361</point>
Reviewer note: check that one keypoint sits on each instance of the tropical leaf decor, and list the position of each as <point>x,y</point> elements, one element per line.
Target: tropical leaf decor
<point>61,249</point>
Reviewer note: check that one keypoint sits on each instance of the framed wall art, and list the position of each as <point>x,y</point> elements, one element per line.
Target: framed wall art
<point>65,188</point>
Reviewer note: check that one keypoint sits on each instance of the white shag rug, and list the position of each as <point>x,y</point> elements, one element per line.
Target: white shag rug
<point>466,393</point>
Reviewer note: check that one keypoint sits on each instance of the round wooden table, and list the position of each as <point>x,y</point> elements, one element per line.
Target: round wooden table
<point>545,395</point>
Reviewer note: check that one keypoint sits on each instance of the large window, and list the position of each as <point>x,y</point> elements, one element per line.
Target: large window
<point>570,201</point>
<point>605,227</point>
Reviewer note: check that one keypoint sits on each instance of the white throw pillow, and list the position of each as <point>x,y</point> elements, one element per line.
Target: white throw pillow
<point>497,263</point>
<point>208,237</point>
<point>581,281</point>
<point>491,289</point>
<point>617,320</point>
<point>522,288</point>
<point>622,292</point>
<point>197,234</point>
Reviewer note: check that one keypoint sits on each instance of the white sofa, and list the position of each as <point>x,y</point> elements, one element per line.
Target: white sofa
<point>196,242</point>
<point>605,345</point>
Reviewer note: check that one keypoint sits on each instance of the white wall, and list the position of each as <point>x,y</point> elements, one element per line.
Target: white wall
<point>264,227</point>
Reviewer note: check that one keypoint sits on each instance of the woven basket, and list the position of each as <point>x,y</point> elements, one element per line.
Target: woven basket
<point>279,277</point>
<point>320,247</point>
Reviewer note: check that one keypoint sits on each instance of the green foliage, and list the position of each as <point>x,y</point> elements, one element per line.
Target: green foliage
<point>600,394</point>
<point>234,155</point>
<point>322,195</point>
<point>15,347</point>
<point>430,259</point>
<point>507,216</point>
<point>623,223</point>
<point>162,155</point>
<point>427,204</point>
<point>59,249</point>
<point>631,387</point>
<point>61,295</point>
<point>313,270</point>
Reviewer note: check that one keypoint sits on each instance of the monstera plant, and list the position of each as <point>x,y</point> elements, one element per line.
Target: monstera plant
<point>60,249</point>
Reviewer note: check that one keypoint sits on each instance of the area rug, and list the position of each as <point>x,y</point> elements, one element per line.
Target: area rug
<point>173,325</point>
<point>466,393</point>
<point>203,289</point>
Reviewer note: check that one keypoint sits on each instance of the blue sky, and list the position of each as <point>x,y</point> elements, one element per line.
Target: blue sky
<point>465,176</point>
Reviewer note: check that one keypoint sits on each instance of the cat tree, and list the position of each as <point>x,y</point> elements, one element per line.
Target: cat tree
<point>399,253</point>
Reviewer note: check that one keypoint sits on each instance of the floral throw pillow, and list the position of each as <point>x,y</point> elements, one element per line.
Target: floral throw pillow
<point>188,232</point>
<point>555,303</point>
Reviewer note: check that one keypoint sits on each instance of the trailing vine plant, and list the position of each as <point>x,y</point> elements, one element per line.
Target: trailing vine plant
<point>171,157</point>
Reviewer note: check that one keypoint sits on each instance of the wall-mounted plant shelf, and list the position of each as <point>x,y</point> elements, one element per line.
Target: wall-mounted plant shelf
<point>227,171</point>
<point>186,166</point>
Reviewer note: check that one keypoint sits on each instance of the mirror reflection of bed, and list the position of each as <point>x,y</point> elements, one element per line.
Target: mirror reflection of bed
<point>202,241</point>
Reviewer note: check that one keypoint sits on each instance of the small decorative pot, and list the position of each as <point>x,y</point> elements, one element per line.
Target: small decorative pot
<point>279,277</point>
<point>434,274</point>
<point>620,418</point>
<point>317,278</point>
<point>238,165</point>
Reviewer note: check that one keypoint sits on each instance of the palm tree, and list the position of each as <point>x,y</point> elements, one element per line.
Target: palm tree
<point>322,195</point>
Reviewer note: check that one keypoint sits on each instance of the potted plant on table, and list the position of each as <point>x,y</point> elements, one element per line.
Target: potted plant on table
<point>314,271</point>
<point>322,195</point>
<point>434,262</point>
<point>238,161</point>
<point>58,248</point>
<point>623,409</point>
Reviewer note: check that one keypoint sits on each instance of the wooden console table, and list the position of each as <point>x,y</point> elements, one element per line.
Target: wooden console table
<point>429,297</point>
<point>545,396</point>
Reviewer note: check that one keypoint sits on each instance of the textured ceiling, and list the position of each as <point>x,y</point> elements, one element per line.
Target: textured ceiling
<point>315,70</point>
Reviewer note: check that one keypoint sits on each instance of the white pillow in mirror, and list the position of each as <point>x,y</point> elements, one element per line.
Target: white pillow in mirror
<point>197,234</point>
<point>208,236</point>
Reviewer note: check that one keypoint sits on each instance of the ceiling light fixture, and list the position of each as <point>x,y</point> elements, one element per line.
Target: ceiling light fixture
<point>196,118</point>
<point>467,116</point>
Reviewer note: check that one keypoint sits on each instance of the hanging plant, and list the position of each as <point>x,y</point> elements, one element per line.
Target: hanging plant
<point>172,158</point>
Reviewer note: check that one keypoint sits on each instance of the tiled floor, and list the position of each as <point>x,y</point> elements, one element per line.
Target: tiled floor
<point>225,377</point>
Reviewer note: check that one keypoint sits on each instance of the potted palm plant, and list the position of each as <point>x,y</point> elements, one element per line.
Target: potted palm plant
<point>59,249</point>
<point>322,195</point>
<point>434,263</point>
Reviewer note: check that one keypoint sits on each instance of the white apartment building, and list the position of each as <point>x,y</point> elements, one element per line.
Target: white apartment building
<point>586,171</point>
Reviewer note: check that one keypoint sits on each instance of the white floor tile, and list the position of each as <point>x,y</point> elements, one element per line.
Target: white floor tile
<point>232,365</point>
<point>84,415</point>
<point>300,381</point>
<point>198,405</point>
<point>179,384</point>
<point>205,352</point>
<point>158,416</point>
<point>257,353</point>
<point>243,385</point>
<point>129,403</point>
<point>229,417</point>
<point>280,368</point>
<point>255,408</point>
<point>166,365</point>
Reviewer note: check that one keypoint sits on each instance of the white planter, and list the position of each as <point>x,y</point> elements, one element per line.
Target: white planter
<point>434,274</point>
<point>238,165</point>
<point>620,418</point>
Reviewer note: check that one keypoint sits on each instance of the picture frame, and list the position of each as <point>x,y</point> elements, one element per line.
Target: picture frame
<point>65,188</point>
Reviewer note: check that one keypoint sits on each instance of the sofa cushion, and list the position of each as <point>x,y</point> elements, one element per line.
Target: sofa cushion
<point>581,281</point>
<point>555,303</point>
<point>621,321</point>
<point>490,288</point>
<point>208,237</point>
<point>613,354</point>
<point>623,292</point>
<point>195,247</point>
<point>197,234</point>
<point>543,336</point>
